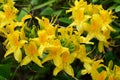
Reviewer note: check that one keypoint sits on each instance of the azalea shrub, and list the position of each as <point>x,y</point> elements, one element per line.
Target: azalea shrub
<point>80,42</point>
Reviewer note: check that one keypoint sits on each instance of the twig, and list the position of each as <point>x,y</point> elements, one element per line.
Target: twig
<point>15,72</point>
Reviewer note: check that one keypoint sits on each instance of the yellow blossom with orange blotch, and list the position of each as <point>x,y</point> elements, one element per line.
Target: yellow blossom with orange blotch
<point>31,52</point>
<point>64,64</point>
<point>14,44</point>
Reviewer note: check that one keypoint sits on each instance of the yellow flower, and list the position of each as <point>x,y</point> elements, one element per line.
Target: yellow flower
<point>94,29</point>
<point>43,40</point>
<point>9,13</point>
<point>14,45</point>
<point>107,18</point>
<point>78,15</point>
<point>31,52</point>
<point>54,53</point>
<point>81,54</point>
<point>64,64</point>
<point>46,34</point>
<point>46,25</point>
<point>91,68</point>
<point>77,5</point>
<point>112,74</point>
<point>95,65</point>
<point>10,10</point>
<point>65,33</point>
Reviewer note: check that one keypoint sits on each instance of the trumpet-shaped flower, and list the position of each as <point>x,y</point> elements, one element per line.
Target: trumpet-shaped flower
<point>10,10</point>
<point>9,13</point>
<point>54,54</point>
<point>43,40</point>
<point>94,29</point>
<point>46,25</point>
<point>78,14</point>
<point>31,52</point>
<point>106,17</point>
<point>65,34</point>
<point>81,54</point>
<point>64,64</point>
<point>112,74</point>
<point>91,68</point>
<point>14,45</point>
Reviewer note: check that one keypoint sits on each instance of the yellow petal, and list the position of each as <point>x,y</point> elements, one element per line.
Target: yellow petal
<point>26,17</point>
<point>47,58</point>
<point>56,71</point>
<point>18,55</point>
<point>72,57</point>
<point>36,60</point>
<point>69,70</point>
<point>25,61</point>
<point>9,51</point>
<point>22,42</point>
<point>100,46</point>
<point>102,75</point>
<point>40,50</point>
<point>89,37</point>
<point>117,69</point>
<point>57,60</point>
<point>101,37</point>
<point>83,72</point>
<point>111,28</point>
<point>87,67</point>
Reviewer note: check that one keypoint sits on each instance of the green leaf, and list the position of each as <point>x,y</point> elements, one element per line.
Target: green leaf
<point>117,9</point>
<point>57,13</point>
<point>109,56</point>
<point>5,70</point>
<point>65,20</point>
<point>22,14</point>
<point>88,47</point>
<point>2,78</point>
<point>47,11</point>
<point>113,7</point>
<point>117,37</point>
<point>78,74</point>
<point>44,4</point>
<point>94,1</point>
<point>34,2</point>
<point>117,1</point>
<point>100,69</point>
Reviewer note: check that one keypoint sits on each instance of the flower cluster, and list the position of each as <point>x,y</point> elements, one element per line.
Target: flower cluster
<point>45,41</point>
